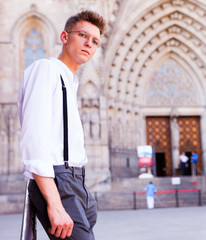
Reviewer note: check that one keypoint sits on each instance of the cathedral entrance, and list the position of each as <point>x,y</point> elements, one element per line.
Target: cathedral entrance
<point>158,135</point>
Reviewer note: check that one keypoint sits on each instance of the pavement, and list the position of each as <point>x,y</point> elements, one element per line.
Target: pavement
<point>185,223</point>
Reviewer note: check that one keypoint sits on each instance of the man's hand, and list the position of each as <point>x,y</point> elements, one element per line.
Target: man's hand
<point>61,223</point>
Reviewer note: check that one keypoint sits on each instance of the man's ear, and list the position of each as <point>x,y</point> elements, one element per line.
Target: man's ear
<point>64,37</point>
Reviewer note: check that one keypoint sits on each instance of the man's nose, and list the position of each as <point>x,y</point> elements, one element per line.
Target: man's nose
<point>89,42</point>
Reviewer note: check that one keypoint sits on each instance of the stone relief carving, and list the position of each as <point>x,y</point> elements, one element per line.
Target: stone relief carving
<point>91,123</point>
<point>124,133</point>
<point>86,123</point>
<point>170,86</point>
<point>90,111</point>
<point>95,124</point>
<point>161,26</point>
<point>9,139</point>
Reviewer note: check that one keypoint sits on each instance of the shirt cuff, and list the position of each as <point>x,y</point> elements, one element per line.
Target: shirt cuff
<point>40,167</point>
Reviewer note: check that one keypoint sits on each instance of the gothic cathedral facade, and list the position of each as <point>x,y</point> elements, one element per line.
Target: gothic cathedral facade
<point>146,85</point>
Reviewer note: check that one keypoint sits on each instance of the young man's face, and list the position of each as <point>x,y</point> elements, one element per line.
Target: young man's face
<point>81,42</point>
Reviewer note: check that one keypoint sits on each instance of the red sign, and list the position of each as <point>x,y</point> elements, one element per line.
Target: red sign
<point>145,161</point>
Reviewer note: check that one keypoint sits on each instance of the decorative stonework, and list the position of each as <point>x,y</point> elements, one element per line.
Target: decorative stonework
<point>90,112</point>
<point>179,30</point>
<point>9,139</point>
<point>170,86</point>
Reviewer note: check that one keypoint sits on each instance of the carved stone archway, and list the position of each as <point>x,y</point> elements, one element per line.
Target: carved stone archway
<point>167,31</point>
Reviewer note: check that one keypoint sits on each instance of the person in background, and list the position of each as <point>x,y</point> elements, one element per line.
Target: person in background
<point>52,142</point>
<point>194,159</point>
<point>183,163</point>
<point>150,195</point>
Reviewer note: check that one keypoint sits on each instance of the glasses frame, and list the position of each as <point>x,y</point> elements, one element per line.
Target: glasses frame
<point>86,37</point>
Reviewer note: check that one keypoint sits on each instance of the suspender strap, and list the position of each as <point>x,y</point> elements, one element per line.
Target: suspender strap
<point>65,125</point>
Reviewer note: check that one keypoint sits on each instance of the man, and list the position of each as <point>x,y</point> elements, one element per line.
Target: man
<point>183,163</point>
<point>194,159</point>
<point>150,194</point>
<point>57,190</point>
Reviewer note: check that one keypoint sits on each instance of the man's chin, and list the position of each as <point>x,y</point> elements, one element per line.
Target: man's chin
<point>84,60</point>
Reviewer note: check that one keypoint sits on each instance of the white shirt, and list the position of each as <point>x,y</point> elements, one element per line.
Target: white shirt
<point>183,158</point>
<point>40,107</point>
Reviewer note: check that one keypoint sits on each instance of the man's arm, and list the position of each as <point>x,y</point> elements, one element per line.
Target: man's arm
<point>61,223</point>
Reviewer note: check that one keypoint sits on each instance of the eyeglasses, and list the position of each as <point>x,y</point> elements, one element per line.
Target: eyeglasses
<point>85,36</point>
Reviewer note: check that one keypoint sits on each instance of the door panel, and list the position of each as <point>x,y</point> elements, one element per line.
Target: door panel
<point>158,135</point>
<point>190,137</point>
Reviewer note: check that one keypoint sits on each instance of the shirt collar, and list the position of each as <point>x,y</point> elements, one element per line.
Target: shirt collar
<point>65,69</point>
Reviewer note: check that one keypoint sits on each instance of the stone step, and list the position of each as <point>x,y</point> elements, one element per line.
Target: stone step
<point>136,184</point>
<point>123,193</point>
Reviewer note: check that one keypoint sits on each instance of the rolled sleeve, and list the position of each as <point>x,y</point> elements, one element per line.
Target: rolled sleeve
<point>38,167</point>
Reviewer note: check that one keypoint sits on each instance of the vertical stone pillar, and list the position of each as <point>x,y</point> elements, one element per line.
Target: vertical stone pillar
<point>175,136</point>
<point>203,140</point>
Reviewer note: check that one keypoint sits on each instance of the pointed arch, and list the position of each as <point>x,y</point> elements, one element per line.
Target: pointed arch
<point>178,29</point>
<point>90,90</point>
<point>150,14</point>
<point>89,95</point>
<point>32,26</point>
<point>184,57</point>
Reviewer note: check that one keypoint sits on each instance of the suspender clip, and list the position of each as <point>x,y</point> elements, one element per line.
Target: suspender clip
<point>66,164</point>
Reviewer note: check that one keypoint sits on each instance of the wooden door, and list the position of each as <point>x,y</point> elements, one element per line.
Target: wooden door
<point>190,137</point>
<point>158,135</point>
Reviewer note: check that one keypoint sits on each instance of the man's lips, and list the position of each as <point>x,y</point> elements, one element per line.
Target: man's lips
<point>85,51</point>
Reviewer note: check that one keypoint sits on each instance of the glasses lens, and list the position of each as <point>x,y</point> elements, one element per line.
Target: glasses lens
<point>85,36</point>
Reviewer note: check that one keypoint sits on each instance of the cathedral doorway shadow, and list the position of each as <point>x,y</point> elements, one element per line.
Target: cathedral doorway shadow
<point>160,164</point>
<point>188,169</point>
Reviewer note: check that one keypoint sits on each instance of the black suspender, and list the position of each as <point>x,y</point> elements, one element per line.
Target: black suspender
<point>65,125</point>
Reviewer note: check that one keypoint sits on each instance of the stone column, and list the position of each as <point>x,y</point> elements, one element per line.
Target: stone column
<point>203,140</point>
<point>175,137</point>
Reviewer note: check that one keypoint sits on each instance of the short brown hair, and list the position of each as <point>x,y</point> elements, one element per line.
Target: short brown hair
<point>89,16</point>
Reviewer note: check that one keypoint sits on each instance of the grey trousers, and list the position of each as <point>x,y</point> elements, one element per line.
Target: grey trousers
<point>194,168</point>
<point>76,199</point>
